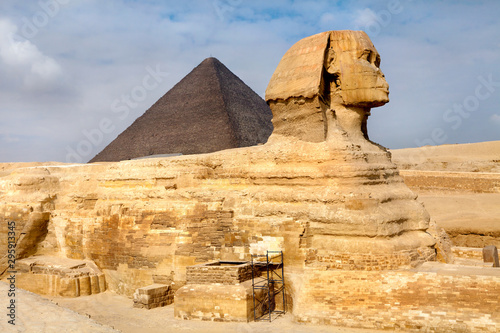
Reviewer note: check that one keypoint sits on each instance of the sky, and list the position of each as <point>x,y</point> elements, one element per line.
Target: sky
<point>75,73</point>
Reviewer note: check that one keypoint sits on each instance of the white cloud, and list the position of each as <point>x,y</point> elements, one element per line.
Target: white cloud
<point>23,59</point>
<point>364,18</point>
<point>327,20</point>
<point>495,118</point>
<point>10,139</point>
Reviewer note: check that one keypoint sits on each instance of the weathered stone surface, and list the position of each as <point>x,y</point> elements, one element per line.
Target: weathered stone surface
<point>137,219</point>
<point>216,302</point>
<point>435,298</point>
<point>444,246</point>
<point>324,87</point>
<point>322,91</point>
<point>490,254</point>
<point>54,276</point>
<point>153,296</point>
<point>219,272</point>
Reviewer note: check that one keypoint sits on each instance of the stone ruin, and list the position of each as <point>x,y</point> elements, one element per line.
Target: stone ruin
<point>222,272</point>
<point>153,296</point>
<point>54,276</point>
<point>359,249</point>
<point>217,291</point>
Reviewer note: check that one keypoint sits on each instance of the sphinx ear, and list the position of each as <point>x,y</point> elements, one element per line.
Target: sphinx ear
<point>330,61</point>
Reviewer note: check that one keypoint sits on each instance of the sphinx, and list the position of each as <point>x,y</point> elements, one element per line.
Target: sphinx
<point>327,83</point>
<point>322,91</point>
<point>357,245</point>
<point>319,190</point>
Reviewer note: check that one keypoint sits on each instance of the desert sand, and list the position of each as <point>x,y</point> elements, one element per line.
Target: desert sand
<point>37,314</point>
<point>117,311</point>
<point>471,216</point>
<point>470,157</point>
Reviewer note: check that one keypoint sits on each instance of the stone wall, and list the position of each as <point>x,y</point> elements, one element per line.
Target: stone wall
<point>219,272</point>
<point>216,302</point>
<point>348,261</point>
<point>462,181</point>
<point>475,253</point>
<point>437,300</point>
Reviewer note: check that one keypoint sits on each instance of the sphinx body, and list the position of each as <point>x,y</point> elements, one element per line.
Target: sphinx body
<point>318,189</point>
<point>322,91</point>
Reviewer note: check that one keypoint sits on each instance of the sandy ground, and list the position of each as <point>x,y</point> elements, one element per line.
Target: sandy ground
<point>35,314</point>
<point>463,211</point>
<point>108,312</point>
<point>117,311</point>
<point>471,157</point>
<point>471,219</point>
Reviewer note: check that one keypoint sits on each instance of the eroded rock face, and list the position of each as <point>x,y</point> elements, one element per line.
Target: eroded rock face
<point>319,189</point>
<point>325,86</point>
<point>322,91</point>
<point>148,219</point>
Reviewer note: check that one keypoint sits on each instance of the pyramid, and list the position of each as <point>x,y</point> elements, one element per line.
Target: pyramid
<point>210,109</point>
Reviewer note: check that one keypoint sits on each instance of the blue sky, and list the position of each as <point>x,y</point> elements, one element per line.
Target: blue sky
<point>74,73</point>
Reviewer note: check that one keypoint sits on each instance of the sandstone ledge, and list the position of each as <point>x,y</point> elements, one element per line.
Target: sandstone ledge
<point>479,182</point>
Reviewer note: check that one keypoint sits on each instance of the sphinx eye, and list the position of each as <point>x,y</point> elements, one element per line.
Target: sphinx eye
<point>377,61</point>
<point>366,56</point>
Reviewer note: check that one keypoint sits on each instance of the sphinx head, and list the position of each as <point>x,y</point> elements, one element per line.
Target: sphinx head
<point>327,81</point>
<point>353,71</point>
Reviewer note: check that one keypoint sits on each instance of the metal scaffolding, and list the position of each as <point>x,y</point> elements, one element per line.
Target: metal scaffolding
<point>268,282</point>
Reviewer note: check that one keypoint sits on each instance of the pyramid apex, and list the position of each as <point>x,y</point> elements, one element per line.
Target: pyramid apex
<point>211,60</point>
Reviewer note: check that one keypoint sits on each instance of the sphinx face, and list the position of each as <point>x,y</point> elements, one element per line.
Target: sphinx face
<point>357,62</point>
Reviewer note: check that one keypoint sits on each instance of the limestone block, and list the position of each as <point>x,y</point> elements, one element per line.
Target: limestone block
<point>215,302</point>
<point>152,296</point>
<point>44,284</point>
<point>56,276</point>
<point>85,287</point>
<point>224,272</point>
<point>102,282</point>
<point>490,254</point>
<point>69,287</point>
<point>94,284</point>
